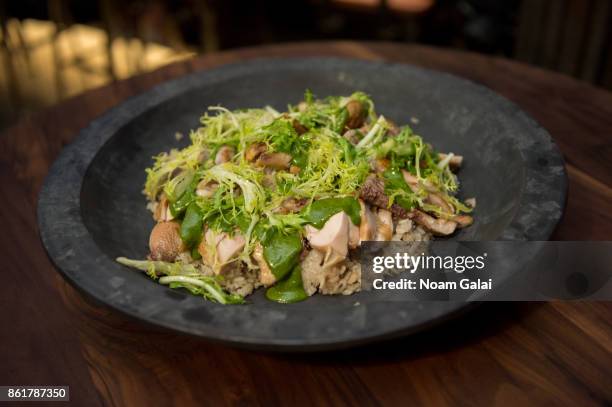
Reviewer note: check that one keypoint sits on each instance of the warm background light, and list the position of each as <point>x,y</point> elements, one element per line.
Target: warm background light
<point>47,65</point>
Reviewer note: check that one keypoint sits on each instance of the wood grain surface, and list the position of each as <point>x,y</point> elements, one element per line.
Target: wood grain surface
<point>557,353</point>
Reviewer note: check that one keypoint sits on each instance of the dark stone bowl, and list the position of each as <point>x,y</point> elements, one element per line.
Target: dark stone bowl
<point>91,209</point>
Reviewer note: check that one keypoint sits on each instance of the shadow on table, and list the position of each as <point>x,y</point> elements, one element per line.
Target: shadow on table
<point>482,321</point>
<point>102,326</point>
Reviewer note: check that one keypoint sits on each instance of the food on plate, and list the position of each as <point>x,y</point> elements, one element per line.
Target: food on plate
<point>284,200</point>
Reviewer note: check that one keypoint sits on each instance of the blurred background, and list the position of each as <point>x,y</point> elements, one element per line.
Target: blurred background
<point>55,49</point>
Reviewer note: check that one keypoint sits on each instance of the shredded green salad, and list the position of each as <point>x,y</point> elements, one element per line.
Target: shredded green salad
<point>258,177</point>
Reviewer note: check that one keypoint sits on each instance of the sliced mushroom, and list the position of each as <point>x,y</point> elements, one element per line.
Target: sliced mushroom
<point>299,127</point>
<point>413,182</point>
<point>269,181</point>
<point>224,154</point>
<point>356,114</point>
<point>441,227</point>
<point>384,229</point>
<point>162,210</point>
<point>367,227</point>
<point>463,220</point>
<point>437,200</point>
<point>265,273</point>
<point>206,189</point>
<point>277,161</point>
<point>292,205</point>
<point>165,241</point>
<point>380,165</point>
<point>471,202</point>
<point>333,236</point>
<point>455,160</point>
<point>254,151</point>
<point>203,155</point>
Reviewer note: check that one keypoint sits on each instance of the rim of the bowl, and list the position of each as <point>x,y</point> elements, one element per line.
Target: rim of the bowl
<point>63,213</point>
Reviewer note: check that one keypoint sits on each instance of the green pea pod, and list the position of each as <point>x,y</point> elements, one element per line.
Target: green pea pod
<point>191,228</point>
<point>289,290</point>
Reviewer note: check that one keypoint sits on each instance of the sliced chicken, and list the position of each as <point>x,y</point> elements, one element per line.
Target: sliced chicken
<point>441,227</point>
<point>265,273</point>
<point>333,236</point>
<point>354,240</point>
<point>310,231</point>
<point>208,246</point>
<point>218,249</point>
<point>367,227</point>
<point>229,247</point>
<point>384,230</point>
<point>277,161</point>
<point>224,154</point>
<point>165,241</point>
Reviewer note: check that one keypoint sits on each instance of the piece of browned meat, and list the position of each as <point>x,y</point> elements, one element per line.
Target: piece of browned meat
<point>373,192</point>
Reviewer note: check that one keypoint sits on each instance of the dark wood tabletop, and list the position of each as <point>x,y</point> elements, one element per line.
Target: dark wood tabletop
<point>556,353</point>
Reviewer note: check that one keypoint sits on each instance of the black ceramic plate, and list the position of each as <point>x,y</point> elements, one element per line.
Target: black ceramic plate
<point>91,209</point>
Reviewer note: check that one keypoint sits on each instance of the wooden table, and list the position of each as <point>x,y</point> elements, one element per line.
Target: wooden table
<point>502,353</point>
